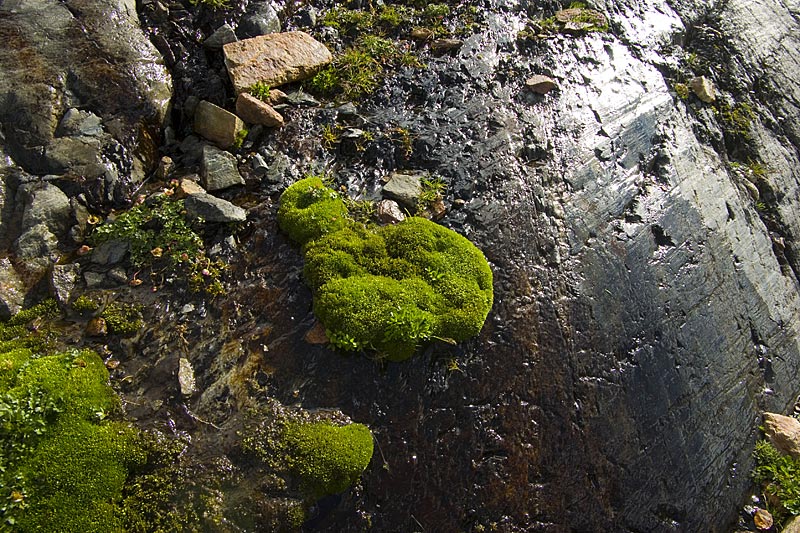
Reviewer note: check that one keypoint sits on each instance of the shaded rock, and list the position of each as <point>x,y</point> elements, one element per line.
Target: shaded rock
<point>254,111</point>
<point>404,188</point>
<point>45,204</point>
<point>76,123</point>
<point>316,335</point>
<point>276,96</point>
<point>441,46</point>
<point>793,526</point>
<point>274,59</point>
<point>422,34</point>
<point>117,275</point>
<point>300,98</point>
<point>435,210</point>
<point>36,242</point>
<point>704,89</point>
<point>213,209</point>
<point>540,84</point>
<point>12,290</point>
<point>97,60</point>
<point>63,280</point>
<point>165,167</point>
<point>221,36</point>
<point>109,252</point>
<point>783,432</point>
<point>216,124</point>
<point>389,212</point>
<point>219,169</point>
<point>259,165</point>
<point>97,327</point>
<point>94,280</point>
<point>259,19</point>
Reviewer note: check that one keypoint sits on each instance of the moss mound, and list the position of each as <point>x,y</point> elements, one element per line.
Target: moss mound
<point>62,464</point>
<point>387,289</point>
<point>327,458</point>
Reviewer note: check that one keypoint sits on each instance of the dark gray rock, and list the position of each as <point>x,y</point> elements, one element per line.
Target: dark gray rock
<point>212,209</point>
<point>63,281</point>
<point>219,169</point>
<point>12,290</point>
<point>83,54</point>
<point>109,252</point>
<point>94,280</point>
<point>404,188</point>
<point>259,19</point>
<point>221,36</point>
<point>45,204</point>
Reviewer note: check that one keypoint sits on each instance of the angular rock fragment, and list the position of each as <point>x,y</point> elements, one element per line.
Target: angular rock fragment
<point>186,377</point>
<point>704,89</point>
<point>389,212</point>
<point>219,169</point>
<point>274,59</point>
<point>221,36</point>
<point>216,124</point>
<point>12,290</point>
<point>254,111</point>
<point>404,188</point>
<point>63,280</point>
<point>213,209</point>
<point>783,432</point>
<point>540,84</point>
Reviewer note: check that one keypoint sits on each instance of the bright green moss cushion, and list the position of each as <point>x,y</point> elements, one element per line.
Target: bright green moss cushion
<point>387,289</point>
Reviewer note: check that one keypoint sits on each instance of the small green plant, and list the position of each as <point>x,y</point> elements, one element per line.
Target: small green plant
<point>330,136</point>
<point>160,237</point>
<point>736,120</point>
<point>238,141</point>
<point>123,319</point>
<point>214,4</point>
<point>682,90</point>
<point>85,304</point>
<point>260,90</point>
<point>432,189</point>
<point>778,476</point>
<point>327,458</point>
<point>343,341</point>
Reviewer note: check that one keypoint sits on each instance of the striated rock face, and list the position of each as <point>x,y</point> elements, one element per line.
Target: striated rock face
<point>274,59</point>
<point>61,57</point>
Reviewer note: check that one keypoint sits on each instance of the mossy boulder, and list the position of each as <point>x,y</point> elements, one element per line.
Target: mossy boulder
<point>387,288</point>
<point>327,458</point>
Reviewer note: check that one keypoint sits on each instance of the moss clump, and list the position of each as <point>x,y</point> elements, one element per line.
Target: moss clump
<point>160,237</point>
<point>85,304</point>
<point>63,465</point>
<point>388,289</point>
<point>778,476</point>
<point>328,459</point>
<point>123,319</point>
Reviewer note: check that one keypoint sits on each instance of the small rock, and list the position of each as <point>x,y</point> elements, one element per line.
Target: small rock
<point>783,432</point>
<point>435,210</point>
<point>188,308</point>
<point>45,204</point>
<point>276,96</point>
<point>317,335</point>
<point>97,327</point>
<point>254,111</point>
<point>216,124</point>
<point>404,188</point>
<point>117,275</point>
<point>441,46</point>
<point>259,164</point>
<point>389,212</point>
<point>274,59</point>
<point>221,36</point>
<point>186,377</point>
<point>793,526</point>
<point>93,280</point>
<point>259,19</point>
<point>219,169</point>
<point>187,187</point>
<point>762,519</point>
<point>704,89</point>
<point>301,98</point>
<point>165,167</point>
<point>110,252</point>
<point>63,280</point>
<point>12,290</point>
<point>213,209</point>
<point>422,34</point>
<point>76,123</point>
<point>36,242</point>
<point>541,84</point>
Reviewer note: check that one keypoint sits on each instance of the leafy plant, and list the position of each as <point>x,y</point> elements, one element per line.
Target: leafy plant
<point>158,235</point>
<point>778,476</point>
<point>260,90</point>
<point>431,192</point>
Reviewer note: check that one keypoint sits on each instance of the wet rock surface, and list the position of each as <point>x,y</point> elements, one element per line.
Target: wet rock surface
<point>645,307</point>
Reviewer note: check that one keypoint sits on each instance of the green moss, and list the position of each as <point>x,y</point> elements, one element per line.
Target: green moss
<point>63,465</point>
<point>123,319</point>
<point>682,90</point>
<point>85,304</point>
<point>309,210</point>
<point>388,289</point>
<point>260,90</point>
<point>328,459</point>
<point>779,477</point>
